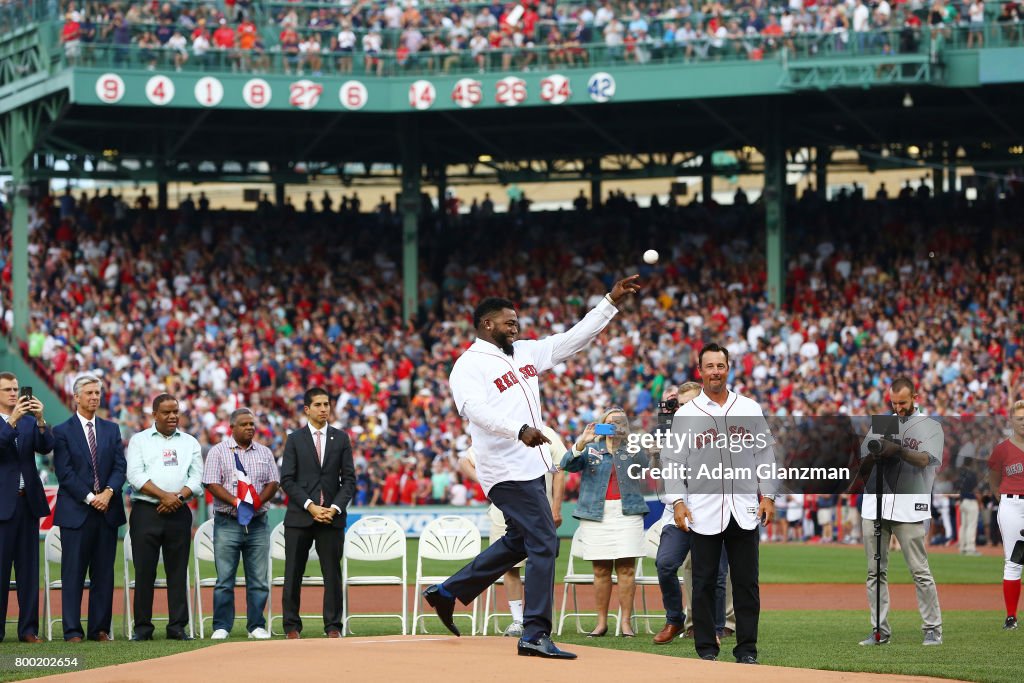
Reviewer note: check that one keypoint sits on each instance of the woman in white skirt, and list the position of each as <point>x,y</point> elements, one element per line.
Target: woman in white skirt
<point>611,511</point>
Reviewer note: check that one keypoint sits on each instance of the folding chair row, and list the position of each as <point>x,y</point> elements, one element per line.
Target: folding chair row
<point>52,552</point>
<point>370,539</point>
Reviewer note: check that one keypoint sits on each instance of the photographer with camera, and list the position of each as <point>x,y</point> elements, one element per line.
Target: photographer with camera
<point>611,511</point>
<point>900,457</point>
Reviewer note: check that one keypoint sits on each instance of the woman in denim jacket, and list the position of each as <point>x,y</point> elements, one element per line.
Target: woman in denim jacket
<point>611,511</point>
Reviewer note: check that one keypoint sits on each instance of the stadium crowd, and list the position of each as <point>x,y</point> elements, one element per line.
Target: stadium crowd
<point>407,35</point>
<point>230,309</point>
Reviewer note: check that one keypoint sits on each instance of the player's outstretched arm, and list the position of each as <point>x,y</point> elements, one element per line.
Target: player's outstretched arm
<point>560,347</point>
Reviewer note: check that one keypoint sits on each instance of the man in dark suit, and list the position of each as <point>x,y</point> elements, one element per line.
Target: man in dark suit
<point>88,456</point>
<point>23,433</point>
<point>318,476</point>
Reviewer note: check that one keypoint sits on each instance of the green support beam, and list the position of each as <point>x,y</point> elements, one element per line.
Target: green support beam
<point>775,213</point>
<point>20,137</point>
<point>409,205</point>
<point>821,158</point>
<point>707,176</point>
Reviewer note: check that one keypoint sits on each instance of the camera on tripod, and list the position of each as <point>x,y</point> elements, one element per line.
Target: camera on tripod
<point>666,409</point>
<point>888,427</point>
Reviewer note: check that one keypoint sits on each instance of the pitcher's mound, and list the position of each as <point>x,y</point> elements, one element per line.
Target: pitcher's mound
<point>443,659</point>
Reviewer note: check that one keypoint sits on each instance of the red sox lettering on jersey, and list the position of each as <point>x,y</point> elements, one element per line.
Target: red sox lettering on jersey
<point>507,380</point>
<point>499,393</point>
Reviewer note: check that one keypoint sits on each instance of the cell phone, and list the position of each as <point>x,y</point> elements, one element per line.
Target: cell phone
<point>604,429</point>
<point>26,391</point>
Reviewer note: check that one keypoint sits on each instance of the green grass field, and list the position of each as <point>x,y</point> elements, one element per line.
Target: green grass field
<point>780,563</point>
<point>974,647</point>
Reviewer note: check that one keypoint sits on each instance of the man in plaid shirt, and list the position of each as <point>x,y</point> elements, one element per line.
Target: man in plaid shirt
<point>230,538</point>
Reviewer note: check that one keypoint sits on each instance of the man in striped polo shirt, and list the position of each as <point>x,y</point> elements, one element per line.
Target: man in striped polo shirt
<point>230,537</point>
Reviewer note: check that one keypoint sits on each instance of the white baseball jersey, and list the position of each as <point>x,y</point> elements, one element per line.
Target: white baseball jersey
<point>713,499</point>
<point>498,394</point>
<point>912,485</point>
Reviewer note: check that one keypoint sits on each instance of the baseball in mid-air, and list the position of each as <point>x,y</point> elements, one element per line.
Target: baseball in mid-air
<point>651,256</point>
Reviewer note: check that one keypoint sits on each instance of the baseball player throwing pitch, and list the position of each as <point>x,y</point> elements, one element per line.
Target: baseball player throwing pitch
<point>496,386</point>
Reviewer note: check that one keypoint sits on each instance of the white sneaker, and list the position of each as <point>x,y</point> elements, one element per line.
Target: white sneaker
<point>259,634</point>
<point>219,634</point>
<point>514,630</point>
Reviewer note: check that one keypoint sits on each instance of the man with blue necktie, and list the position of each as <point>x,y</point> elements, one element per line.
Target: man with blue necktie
<point>88,456</point>
<point>23,433</point>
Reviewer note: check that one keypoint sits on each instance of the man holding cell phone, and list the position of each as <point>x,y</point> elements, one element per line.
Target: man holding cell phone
<point>23,433</point>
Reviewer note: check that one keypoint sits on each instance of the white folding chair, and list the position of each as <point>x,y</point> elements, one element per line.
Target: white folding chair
<point>374,539</point>
<point>277,553</point>
<point>202,551</point>
<point>652,540</point>
<point>52,551</point>
<point>574,579</point>
<point>129,585</point>
<point>445,539</point>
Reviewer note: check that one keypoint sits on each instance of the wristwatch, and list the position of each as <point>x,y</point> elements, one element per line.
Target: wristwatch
<point>181,498</point>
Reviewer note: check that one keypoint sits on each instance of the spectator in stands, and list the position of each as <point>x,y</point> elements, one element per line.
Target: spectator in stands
<point>309,54</point>
<point>345,46</point>
<point>371,49</point>
<point>201,47</point>
<point>976,15</point>
<point>178,46</point>
<point>289,43</point>
<point>224,44</point>
<point>611,511</point>
<point>148,50</point>
<point>72,38</point>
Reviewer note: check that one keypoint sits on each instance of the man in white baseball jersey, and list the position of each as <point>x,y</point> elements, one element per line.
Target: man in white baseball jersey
<point>909,467</point>
<point>726,454</point>
<point>496,386</point>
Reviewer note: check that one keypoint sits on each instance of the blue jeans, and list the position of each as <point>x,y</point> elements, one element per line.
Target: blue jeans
<point>253,543</point>
<point>675,545</point>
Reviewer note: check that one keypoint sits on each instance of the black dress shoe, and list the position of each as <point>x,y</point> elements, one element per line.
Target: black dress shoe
<point>543,647</point>
<point>138,639</point>
<point>598,634</point>
<point>747,659</point>
<point>445,607</point>
<point>709,657</point>
<point>179,636</point>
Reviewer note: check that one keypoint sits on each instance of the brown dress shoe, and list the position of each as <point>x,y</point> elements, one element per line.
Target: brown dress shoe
<point>333,634</point>
<point>667,634</point>
<point>75,639</point>
<point>32,639</point>
<point>102,637</point>
<point>293,635</point>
